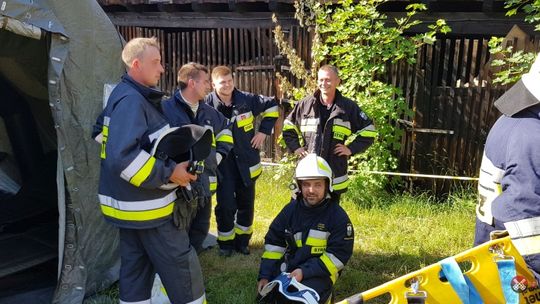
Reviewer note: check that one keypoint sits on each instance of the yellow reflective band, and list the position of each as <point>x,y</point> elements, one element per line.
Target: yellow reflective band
<point>341,129</point>
<point>239,230</point>
<point>213,186</point>
<point>316,242</point>
<point>271,115</point>
<point>298,243</point>
<point>245,121</point>
<point>369,133</point>
<point>225,138</point>
<point>255,170</point>
<point>144,172</point>
<point>226,237</point>
<point>271,112</point>
<point>272,255</point>
<point>291,127</point>
<point>341,185</point>
<point>139,216</point>
<point>332,269</point>
<point>105,134</point>
<point>213,141</point>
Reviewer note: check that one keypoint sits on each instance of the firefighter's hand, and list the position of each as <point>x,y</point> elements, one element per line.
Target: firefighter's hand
<point>261,284</point>
<point>301,152</point>
<point>297,274</point>
<point>180,176</point>
<point>258,140</point>
<point>342,150</point>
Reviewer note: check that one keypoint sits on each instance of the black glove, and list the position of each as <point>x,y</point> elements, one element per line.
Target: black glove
<point>185,207</point>
<point>199,190</point>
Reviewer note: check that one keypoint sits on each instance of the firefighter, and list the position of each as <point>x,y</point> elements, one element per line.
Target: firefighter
<point>132,183</point>
<point>236,191</point>
<point>312,237</point>
<point>321,123</point>
<point>186,107</point>
<point>509,184</point>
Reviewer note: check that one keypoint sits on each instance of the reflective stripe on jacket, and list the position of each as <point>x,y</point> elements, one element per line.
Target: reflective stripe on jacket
<point>130,177</point>
<point>301,128</point>
<point>324,237</point>
<point>245,108</point>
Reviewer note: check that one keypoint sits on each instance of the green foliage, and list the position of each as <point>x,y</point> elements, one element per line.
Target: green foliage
<point>530,8</point>
<point>360,41</point>
<point>514,63</point>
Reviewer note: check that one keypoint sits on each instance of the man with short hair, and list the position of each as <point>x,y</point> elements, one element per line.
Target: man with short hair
<point>312,237</point>
<point>321,123</point>
<point>131,182</point>
<point>186,106</point>
<point>239,171</point>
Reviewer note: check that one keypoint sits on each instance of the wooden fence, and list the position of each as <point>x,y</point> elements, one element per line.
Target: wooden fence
<point>448,89</point>
<point>249,52</point>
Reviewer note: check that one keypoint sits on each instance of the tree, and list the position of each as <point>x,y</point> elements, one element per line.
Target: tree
<point>361,42</point>
<point>514,63</point>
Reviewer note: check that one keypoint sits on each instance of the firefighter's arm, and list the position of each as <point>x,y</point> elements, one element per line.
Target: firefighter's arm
<point>126,156</point>
<point>521,186</point>
<point>224,137</point>
<point>274,247</point>
<point>97,129</point>
<point>291,136</point>
<point>268,108</point>
<point>337,254</point>
<point>364,129</point>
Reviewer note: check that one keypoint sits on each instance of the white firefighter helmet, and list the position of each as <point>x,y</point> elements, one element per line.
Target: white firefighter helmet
<point>313,167</point>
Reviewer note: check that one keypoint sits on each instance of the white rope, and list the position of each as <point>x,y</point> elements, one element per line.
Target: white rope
<point>269,164</point>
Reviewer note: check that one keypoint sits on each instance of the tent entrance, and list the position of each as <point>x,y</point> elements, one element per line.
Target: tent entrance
<point>28,164</point>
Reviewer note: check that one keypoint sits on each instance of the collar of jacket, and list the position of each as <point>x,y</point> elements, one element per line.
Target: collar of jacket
<point>153,95</point>
<point>338,102</point>
<point>185,106</point>
<point>216,101</point>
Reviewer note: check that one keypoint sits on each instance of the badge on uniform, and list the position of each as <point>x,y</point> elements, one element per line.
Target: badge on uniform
<point>350,230</point>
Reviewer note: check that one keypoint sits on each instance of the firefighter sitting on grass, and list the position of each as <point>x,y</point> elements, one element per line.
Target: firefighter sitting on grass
<point>309,242</point>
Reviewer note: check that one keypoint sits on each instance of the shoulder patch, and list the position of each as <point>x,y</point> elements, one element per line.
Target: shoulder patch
<point>363,115</point>
<point>350,230</point>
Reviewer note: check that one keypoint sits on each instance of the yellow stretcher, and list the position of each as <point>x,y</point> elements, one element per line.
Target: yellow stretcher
<point>425,285</point>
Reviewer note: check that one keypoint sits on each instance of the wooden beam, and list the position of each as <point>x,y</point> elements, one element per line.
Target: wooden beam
<point>199,20</point>
<point>475,23</point>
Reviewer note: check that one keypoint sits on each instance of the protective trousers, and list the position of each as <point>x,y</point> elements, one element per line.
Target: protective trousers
<point>234,201</point>
<point>201,224</point>
<point>165,250</point>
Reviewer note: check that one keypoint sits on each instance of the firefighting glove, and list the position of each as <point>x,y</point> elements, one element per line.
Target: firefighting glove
<point>199,190</point>
<point>185,207</point>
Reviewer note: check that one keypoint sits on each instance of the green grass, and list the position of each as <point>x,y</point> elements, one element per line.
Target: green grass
<point>395,235</point>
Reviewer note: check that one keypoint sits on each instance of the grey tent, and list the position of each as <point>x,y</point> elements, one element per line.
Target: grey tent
<point>55,57</point>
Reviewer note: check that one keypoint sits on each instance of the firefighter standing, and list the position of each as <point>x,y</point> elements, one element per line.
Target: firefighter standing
<point>239,171</point>
<point>509,185</point>
<point>186,107</point>
<point>312,237</point>
<point>322,122</point>
<point>130,181</point>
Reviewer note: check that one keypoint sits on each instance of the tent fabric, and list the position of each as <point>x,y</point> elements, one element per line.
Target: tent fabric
<point>84,54</point>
